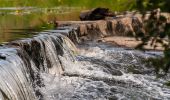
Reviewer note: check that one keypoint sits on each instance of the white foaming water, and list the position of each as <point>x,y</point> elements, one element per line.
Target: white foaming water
<point>101,72</point>
<point>47,67</point>
<point>14,81</point>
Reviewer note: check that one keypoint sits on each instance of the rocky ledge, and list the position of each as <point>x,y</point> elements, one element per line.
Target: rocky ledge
<point>118,31</point>
<point>118,26</point>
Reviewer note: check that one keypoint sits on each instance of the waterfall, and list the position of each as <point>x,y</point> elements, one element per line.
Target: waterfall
<point>16,75</point>
<point>69,63</point>
<point>22,60</point>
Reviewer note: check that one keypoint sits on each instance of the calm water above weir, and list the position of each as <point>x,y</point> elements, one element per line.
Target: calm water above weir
<point>16,23</point>
<point>22,19</point>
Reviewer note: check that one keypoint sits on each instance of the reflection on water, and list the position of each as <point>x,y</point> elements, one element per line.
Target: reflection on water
<point>23,22</point>
<point>22,18</point>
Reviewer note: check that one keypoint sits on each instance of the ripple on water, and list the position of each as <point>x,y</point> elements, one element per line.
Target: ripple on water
<point>100,73</point>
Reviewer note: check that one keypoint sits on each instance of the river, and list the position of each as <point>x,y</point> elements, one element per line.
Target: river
<point>50,66</point>
<point>55,65</point>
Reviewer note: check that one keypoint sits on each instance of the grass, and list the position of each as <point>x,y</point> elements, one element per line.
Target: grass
<point>118,5</point>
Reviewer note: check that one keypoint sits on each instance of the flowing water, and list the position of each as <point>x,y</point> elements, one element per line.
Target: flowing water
<point>103,72</point>
<point>56,65</point>
<point>50,66</point>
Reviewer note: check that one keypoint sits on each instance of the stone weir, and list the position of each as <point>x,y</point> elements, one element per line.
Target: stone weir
<point>118,26</point>
<point>21,61</point>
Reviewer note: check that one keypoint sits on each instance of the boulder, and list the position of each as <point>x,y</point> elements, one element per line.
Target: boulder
<point>96,14</point>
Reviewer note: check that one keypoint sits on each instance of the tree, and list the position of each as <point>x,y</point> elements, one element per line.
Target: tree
<point>158,29</point>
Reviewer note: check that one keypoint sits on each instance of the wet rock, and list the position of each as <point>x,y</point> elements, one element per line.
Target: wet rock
<point>132,69</point>
<point>90,68</point>
<point>2,57</point>
<point>115,72</point>
<point>100,40</point>
<point>105,66</point>
<point>112,98</point>
<point>101,90</point>
<point>96,14</point>
<point>113,89</point>
<point>136,71</point>
<point>123,26</point>
<point>139,70</point>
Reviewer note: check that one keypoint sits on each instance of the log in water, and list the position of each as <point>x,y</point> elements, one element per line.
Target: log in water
<point>65,64</point>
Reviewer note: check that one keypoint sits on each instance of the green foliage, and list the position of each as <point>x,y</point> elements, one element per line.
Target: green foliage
<point>144,5</point>
<point>167,83</point>
<point>18,3</point>
<point>118,5</point>
<point>158,31</point>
